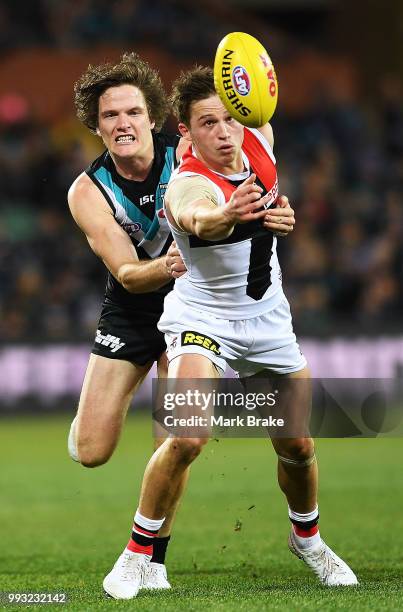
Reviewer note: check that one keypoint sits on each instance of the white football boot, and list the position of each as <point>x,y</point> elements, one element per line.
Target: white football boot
<point>156,577</point>
<point>330,569</point>
<point>127,576</point>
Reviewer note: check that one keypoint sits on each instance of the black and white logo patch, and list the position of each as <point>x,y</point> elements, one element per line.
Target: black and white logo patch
<point>110,341</point>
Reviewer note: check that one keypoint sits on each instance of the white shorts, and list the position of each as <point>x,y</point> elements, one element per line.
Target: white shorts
<point>247,346</point>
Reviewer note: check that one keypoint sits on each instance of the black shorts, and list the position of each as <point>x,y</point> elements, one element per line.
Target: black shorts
<point>122,335</point>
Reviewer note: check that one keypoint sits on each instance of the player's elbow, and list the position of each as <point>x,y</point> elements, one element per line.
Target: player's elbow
<point>127,277</point>
<point>212,233</point>
<point>126,284</point>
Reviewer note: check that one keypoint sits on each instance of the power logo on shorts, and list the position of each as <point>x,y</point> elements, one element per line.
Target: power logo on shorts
<point>193,338</point>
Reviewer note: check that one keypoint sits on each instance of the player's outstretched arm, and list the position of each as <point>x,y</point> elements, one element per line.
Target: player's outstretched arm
<point>203,218</point>
<point>111,243</point>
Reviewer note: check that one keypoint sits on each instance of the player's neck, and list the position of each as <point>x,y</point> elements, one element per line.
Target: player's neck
<point>234,166</point>
<point>226,170</point>
<point>135,168</point>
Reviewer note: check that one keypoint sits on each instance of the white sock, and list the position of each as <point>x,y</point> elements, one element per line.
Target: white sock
<point>146,523</point>
<point>143,533</point>
<point>305,541</point>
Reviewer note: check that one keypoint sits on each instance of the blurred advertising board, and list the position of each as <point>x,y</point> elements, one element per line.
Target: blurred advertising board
<point>49,372</point>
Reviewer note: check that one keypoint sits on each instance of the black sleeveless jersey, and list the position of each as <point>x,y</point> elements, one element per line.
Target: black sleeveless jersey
<point>138,208</point>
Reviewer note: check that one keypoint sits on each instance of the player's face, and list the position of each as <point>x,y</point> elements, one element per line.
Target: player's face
<point>216,136</point>
<point>123,121</point>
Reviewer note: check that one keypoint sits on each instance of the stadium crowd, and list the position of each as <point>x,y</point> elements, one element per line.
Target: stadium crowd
<point>340,163</point>
<point>85,23</point>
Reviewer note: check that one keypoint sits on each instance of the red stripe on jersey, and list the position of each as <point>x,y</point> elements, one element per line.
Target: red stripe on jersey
<point>261,164</point>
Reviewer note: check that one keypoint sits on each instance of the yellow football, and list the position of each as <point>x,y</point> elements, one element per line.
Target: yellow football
<point>245,79</point>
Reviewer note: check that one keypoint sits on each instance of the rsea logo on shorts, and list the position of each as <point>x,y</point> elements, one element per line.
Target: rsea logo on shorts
<point>192,337</point>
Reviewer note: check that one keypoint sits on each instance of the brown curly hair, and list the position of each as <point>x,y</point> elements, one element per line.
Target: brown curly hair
<point>191,86</point>
<point>131,69</point>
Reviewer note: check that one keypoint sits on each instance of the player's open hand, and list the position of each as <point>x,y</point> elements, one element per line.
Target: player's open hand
<point>174,262</point>
<point>280,220</point>
<point>246,203</point>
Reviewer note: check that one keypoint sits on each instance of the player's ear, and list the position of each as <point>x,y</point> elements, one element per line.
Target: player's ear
<point>98,132</point>
<point>152,125</point>
<point>184,132</point>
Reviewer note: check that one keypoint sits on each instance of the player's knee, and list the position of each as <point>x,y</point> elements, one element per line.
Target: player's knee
<point>298,450</point>
<point>86,449</point>
<point>92,457</point>
<point>187,449</point>
<point>92,452</point>
<point>92,462</point>
<point>158,442</point>
<point>82,452</point>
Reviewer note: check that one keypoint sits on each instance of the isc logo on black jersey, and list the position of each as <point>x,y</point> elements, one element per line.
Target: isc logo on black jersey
<point>147,199</point>
<point>191,337</point>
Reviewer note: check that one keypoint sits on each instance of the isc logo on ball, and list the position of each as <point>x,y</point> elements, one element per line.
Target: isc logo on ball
<point>240,80</point>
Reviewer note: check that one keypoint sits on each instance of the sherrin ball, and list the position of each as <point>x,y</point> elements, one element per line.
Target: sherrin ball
<point>245,79</point>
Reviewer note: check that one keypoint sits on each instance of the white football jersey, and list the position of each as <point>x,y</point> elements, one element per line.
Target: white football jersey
<point>238,277</point>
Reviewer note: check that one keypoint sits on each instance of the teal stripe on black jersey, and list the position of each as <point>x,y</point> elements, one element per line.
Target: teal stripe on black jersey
<point>116,193</point>
<point>136,203</point>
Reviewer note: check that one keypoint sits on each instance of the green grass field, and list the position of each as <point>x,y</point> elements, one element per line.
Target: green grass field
<point>63,526</point>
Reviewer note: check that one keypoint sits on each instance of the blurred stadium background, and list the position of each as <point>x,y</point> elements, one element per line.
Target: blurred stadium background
<point>339,146</point>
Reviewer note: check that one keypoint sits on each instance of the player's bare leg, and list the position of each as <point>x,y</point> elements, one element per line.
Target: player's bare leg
<point>156,575</point>
<point>165,470</point>
<point>163,482</point>
<point>146,561</point>
<point>297,467</point>
<point>108,389</point>
<point>140,566</point>
<point>166,528</point>
<point>165,531</point>
<point>298,479</point>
